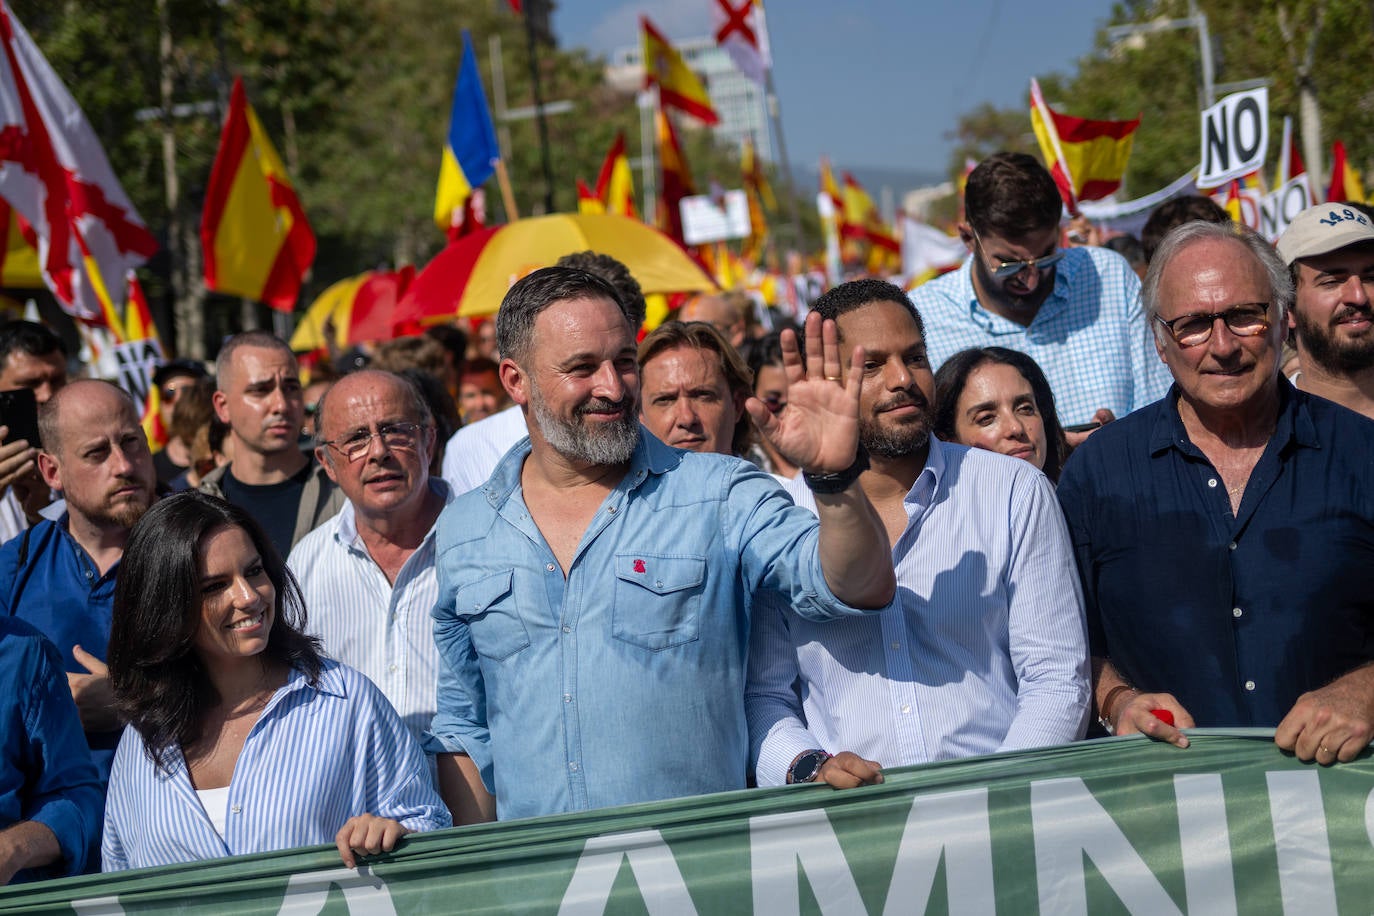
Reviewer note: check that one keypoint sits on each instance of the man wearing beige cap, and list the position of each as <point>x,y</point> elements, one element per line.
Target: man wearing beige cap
<point>1330,250</point>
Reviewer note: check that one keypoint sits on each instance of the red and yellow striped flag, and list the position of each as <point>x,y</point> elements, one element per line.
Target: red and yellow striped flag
<point>615,185</point>
<point>256,238</point>
<point>1345,181</point>
<point>678,86</point>
<point>1086,158</point>
<point>677,178</point>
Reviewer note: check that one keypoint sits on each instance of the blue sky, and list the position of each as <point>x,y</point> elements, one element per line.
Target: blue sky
<point>875,82</point>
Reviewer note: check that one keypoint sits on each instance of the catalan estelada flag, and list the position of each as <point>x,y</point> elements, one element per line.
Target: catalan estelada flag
<point>678,86</point>
<point>1086,158</point>
<point>615,186</point>
<point>255,235</point>
<point>470,149</point>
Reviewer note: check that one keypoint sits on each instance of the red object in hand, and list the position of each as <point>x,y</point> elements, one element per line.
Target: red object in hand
<point>1163,715</point>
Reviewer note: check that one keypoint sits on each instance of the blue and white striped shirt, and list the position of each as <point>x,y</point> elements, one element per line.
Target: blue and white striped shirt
<point>987,652</point>
<point>1090,336</point>
<point>316,757</point>
<point>382,629</point>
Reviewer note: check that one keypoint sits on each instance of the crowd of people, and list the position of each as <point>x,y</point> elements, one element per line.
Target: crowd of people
<point>566,568</point>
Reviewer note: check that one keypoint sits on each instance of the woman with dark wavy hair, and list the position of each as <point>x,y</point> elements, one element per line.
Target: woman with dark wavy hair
<point>241,737</point>
<point>998,399</point>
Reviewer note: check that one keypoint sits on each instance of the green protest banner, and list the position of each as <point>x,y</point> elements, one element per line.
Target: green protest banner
<point>1230,825</point>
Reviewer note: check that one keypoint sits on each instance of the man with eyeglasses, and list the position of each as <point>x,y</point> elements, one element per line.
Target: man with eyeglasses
<point>1075,311</point>
<point>367,574</point>
<point>259,396</point>
<point>1330,251</point>
<point>1222,532</point>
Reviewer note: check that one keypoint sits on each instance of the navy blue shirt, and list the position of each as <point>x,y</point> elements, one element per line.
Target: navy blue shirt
<point>46,774</point>
<point>1236,616</point>
<point>58,589</point>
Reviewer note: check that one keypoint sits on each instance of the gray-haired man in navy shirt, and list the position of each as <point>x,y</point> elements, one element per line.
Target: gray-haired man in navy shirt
<point>1220,532</point>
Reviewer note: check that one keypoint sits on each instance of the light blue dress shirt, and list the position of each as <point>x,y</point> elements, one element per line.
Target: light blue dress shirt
<point>623,682</point>
<point>1090,336</point>
<point>988,651</point>
<point>316,757</point>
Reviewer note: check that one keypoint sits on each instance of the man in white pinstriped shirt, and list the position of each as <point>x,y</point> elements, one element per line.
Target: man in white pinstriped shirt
<point>367,574</point>
<point>987,650</point>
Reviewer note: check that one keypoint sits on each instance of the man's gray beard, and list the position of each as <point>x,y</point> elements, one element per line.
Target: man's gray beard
<point>1339,358</point>
<point>893,443</point>
<point>606,444</point>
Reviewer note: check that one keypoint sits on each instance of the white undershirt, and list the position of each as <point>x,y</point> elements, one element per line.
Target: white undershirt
<point>216,805</point>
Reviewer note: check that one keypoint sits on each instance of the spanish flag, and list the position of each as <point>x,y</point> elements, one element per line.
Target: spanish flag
<point>1345,181</point>
<point>470,150</point>
<point>587,201</point>
<point>257,241</point>
<point>759,193</point>
<point>677,180</point>
<point>615,186</point>
<point>1086,158</point>
<point>861,220</point>
<point>678,86</point>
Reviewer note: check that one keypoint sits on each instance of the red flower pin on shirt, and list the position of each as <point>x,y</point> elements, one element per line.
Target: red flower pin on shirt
<point>639,566</point>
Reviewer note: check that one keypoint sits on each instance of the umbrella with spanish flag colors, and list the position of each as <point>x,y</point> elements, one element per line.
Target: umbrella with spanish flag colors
<point>470,277</point>
<point>354,310</point>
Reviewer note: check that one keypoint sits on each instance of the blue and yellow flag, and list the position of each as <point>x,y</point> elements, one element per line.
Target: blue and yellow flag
<point>470,150</point>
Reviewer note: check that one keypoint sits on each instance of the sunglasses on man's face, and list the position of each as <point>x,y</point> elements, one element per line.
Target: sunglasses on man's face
<point>1005,270</point>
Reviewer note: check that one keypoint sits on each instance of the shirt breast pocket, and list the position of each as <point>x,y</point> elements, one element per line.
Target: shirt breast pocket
<point>657,599</point>
<point>493,619</point>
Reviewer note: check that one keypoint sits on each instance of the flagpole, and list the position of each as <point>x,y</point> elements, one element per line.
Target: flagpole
<point>648,151</point>
<point>539,114</point>
<point>775,115</point>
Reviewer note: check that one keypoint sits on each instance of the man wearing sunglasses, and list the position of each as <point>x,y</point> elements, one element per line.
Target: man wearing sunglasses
<point>1075,311</point>
<point>1220,533</point>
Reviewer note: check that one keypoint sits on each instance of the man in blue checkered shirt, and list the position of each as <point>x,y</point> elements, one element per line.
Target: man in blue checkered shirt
<point>1075,311</point>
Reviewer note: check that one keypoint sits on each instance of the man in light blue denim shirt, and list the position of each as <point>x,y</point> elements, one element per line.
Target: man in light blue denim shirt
<point>594,595</point>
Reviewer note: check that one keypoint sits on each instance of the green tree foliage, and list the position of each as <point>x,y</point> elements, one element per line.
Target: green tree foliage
<point>1158,76</point>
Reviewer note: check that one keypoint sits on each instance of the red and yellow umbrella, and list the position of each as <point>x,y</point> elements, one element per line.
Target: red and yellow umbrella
<point>470,277</point>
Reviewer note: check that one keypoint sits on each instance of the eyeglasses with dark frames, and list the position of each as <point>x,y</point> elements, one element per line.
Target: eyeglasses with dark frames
<point>393,436</point>
<point>1248,319</point>
<point>1005,270</point>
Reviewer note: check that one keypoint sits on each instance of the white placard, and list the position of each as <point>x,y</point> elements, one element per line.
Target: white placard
<point>1235,136</point>
<point>703,219</point>
<point>1278,209</point>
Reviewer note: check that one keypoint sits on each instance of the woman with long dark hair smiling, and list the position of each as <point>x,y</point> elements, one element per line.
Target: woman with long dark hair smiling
<point>241,737</point>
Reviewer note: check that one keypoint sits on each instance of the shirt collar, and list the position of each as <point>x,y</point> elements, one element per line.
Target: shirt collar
<point>346,522</point>
<point>650,457</point>
<point>927,483</point>
<point>1294,423</point>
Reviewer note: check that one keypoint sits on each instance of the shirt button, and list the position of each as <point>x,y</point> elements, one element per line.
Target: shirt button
<point>567,629</point>
<point>567,698</point>
<point>572,766</point>
<point>906,708</point>
<point>611,510</point>
<point>394,668</point>
<point>237,809</point>
<point>1249,685</point>
<point>1236,612</point>
<point>658,583</point>
<point>549,567</point>
<point>1212,483</point>
<point>1231,546</point>
<point>896,645</point>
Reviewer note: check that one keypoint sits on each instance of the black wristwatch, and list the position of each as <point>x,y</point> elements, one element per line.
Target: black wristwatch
<point>839,481</point>
<point>807,766</point>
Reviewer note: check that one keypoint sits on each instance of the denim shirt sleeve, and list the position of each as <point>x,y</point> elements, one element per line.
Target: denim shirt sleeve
<point>779,545</point>
<point>64,788</point>
<point>460,720</point>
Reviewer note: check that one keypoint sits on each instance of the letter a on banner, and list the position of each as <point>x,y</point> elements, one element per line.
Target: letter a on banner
<point>1235,136</point>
